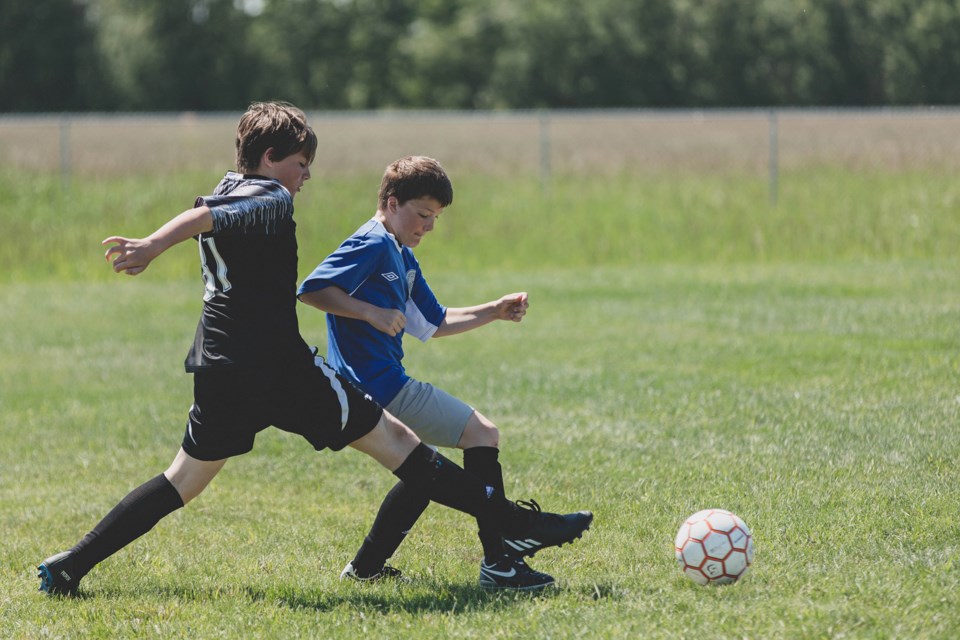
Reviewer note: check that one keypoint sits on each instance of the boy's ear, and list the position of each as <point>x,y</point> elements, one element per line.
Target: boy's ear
<point>267,158</point>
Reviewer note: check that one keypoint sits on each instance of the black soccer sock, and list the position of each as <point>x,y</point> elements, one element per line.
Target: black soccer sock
<point>398,513</point>
<point>438,478</point>
<point>133,516</point>
<point>483,462</point>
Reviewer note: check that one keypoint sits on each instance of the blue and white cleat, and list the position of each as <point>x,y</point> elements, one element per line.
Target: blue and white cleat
<point>57,575</point>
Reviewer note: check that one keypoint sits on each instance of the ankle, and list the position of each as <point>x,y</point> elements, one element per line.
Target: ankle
<point>367,567</point>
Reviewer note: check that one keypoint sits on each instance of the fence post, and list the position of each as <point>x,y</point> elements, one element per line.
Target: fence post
<point>774,162</point>
<point>544,120</point>
<point>65,151</point>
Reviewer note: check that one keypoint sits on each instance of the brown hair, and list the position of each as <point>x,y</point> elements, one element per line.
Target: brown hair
<point>415,177</point>
<point>277,125</point>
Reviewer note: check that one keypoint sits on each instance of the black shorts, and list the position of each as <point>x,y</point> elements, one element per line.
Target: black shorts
<point>232,405</point>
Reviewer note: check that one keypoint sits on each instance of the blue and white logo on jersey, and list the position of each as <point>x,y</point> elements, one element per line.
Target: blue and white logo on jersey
<point>390,276</point>
<point>411,276</point>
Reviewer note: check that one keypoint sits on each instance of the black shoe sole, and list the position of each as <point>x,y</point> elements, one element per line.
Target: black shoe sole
<point>536,587</point>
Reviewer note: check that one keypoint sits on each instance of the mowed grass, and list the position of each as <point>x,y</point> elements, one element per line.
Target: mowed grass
<point>819,402</point>
<point>688,346</point>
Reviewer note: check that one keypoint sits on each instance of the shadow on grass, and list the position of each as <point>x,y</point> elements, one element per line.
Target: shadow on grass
<point>423,597</point>
<point>402,599</point>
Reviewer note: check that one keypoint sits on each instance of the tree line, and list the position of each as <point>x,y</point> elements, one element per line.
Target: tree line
<point>163,55</point>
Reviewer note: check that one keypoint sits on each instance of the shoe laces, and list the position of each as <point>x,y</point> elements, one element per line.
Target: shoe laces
<point>530,505</point>
<point>506,561</point>
<point>522,567</point>
<point>534,513</point>
<point>390,572</point>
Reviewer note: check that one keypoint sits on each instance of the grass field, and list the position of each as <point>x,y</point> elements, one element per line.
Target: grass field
<point>687,346</point>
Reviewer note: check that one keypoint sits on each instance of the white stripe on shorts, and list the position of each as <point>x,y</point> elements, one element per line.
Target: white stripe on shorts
<point>341,394</point>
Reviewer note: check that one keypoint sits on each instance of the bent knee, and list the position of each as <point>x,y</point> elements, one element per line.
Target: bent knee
<point>479,432</point>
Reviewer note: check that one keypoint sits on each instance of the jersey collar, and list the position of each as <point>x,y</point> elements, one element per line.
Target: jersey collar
<point>396,242</point>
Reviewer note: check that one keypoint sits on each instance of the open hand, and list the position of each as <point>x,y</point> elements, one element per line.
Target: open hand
<point>133,255</point>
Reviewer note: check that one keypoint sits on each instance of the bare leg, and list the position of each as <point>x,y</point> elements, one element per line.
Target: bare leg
<point>479,432</point>
<point>190,476</point>
<point>390,443</point>
<point>396,447</point>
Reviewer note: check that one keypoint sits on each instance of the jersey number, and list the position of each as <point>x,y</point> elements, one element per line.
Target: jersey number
<point>209,280</point>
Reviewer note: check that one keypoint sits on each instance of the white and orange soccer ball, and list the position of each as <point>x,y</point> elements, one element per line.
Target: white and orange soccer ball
<point>714,546</point>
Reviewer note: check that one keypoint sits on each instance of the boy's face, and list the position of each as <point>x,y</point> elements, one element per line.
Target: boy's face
<point>412,220</point>
<point>291,172</point>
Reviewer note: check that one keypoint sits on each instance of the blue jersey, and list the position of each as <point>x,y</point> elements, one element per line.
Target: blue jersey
<point>372,266</point>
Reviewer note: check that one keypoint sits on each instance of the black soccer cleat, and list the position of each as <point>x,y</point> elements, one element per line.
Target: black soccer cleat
<point>530,529</point>
<point>512,573</point>
<point>386,573</point>
<point>57,575</point>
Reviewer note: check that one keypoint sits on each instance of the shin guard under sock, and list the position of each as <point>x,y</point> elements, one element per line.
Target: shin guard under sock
<point>439,479</point>
<point>483,462</point>
<point>398,513</point>
<point>133,516</point>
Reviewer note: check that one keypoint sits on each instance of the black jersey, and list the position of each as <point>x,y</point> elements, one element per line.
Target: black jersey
<point>249,266</point>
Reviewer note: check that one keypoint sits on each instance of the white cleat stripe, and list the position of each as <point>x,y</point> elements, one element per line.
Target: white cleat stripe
<point>523,545</point>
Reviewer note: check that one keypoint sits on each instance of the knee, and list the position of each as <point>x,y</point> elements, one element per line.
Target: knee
<point>491,436</point>
<point>479,432</point>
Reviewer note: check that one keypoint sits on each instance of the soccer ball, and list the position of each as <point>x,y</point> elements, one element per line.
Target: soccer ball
<point>714,546</point>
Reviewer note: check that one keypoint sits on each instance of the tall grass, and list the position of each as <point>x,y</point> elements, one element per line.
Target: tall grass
<point>821,215</point>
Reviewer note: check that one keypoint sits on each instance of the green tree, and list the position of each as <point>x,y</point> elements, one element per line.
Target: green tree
<point>304,54</point>
<point>177,54</point>
<point>372,54</point>
<point>47,57</point>
<point>922,65</point>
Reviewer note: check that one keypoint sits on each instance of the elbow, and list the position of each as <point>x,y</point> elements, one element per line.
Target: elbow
<point>308,298</point>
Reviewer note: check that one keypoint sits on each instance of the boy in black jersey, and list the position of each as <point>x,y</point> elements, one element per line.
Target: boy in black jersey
<point>253,370</point>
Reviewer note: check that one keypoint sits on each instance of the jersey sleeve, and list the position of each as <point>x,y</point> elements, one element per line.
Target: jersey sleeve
<point>424,313</point>
<point>347,267</point>
<point>263,208</point>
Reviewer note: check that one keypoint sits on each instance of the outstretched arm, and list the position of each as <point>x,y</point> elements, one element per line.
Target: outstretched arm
<point>335,300</point>
<point>458,320</point>
<point>133,255</point>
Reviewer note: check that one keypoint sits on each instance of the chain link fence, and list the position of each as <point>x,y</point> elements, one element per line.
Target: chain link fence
<point>544,145</point>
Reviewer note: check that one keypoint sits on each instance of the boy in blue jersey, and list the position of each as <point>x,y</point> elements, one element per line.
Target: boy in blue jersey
<point>252,369</point>
<point>374,293</point>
